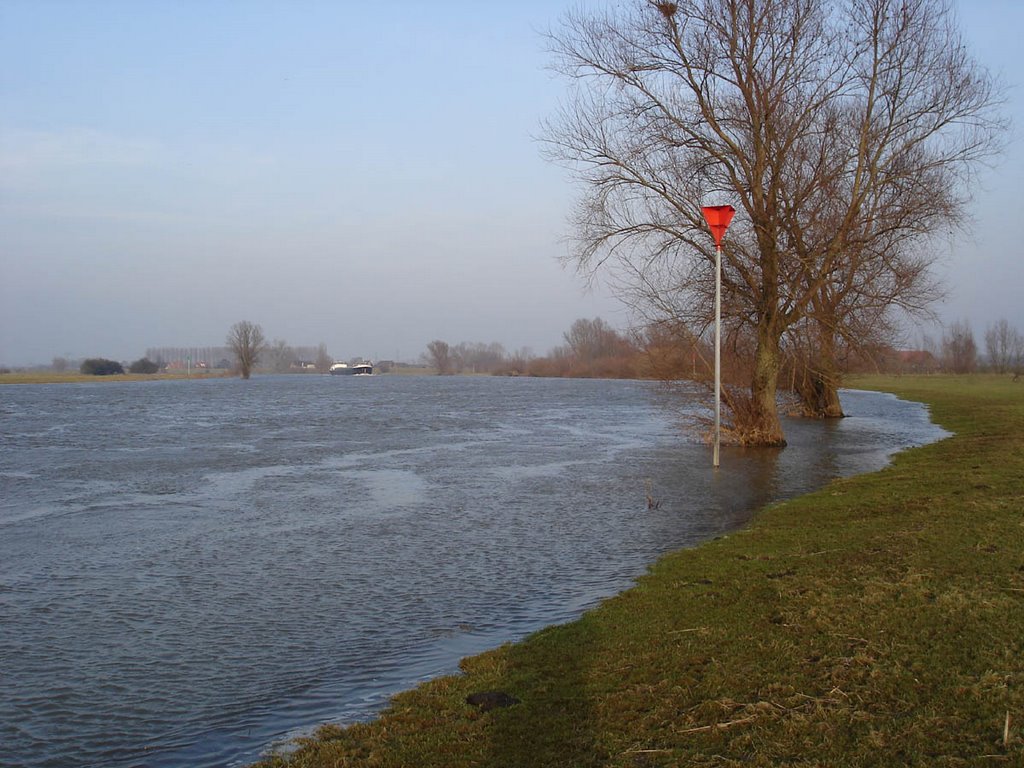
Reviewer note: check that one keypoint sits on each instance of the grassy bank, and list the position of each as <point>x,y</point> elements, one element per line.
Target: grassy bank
<point>51,377</point>
<point>879,621</point>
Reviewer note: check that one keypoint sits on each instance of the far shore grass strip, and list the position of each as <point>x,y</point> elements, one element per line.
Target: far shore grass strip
<point>876,622</point>
<point>74,377</point>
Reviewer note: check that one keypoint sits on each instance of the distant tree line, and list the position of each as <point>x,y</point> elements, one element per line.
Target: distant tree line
<point>674,352</point>
<point>246,351</point>
<point>250,351</point>
<point>592,349</point>
<point>669,351</point>
<point>144,365</point>
<point>100,366</point>
<point>181,357</point>
<point>1004,349</point>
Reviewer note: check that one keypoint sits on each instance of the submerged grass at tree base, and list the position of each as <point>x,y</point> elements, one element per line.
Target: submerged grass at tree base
<point>877,622</point>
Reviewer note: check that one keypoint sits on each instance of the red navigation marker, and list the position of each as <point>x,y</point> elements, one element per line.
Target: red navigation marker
<point>718,218</point>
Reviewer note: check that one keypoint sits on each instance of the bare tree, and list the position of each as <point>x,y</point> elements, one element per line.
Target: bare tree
<point>247,342</point>
<point>439,355</point>
<point>323,359</point>
<point>959,351</point>
<point>674,353</point>
<point>279,356</point>
<point>1004,347</point>
<point>844,132</point>
<point>519,361</point>
<point>479,357</point>
<point>853,314</point>
<point>592,339</point>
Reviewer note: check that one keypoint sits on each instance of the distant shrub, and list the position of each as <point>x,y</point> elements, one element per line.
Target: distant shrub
<point>143,365</point>
<point>98,366</point>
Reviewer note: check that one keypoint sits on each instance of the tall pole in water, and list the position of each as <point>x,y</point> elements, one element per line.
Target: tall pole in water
<point>718,218</point>
<point>718,353</point>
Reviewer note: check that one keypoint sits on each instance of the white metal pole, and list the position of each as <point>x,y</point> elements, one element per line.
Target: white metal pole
<point>718,351</point>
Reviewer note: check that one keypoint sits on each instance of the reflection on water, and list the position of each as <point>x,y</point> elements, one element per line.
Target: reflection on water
<point>189,570</point>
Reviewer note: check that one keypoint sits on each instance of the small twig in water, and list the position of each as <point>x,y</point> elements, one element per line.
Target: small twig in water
<point>652,503</point>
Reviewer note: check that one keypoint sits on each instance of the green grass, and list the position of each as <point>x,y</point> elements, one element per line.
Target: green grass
<point>877,622</point>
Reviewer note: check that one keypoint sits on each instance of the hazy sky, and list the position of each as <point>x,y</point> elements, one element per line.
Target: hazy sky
<point>362,174</point>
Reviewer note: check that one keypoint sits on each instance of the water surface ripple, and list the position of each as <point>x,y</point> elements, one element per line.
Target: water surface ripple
<point>190,570</point>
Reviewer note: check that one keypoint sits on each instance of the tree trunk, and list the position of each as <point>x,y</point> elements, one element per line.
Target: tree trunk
<point>819,388</point>
<point>765,428</point>
<point>819,395</point>
<point>827,383</point>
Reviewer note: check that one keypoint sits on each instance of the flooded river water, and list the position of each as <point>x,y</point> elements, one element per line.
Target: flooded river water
<point>190,570</point>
